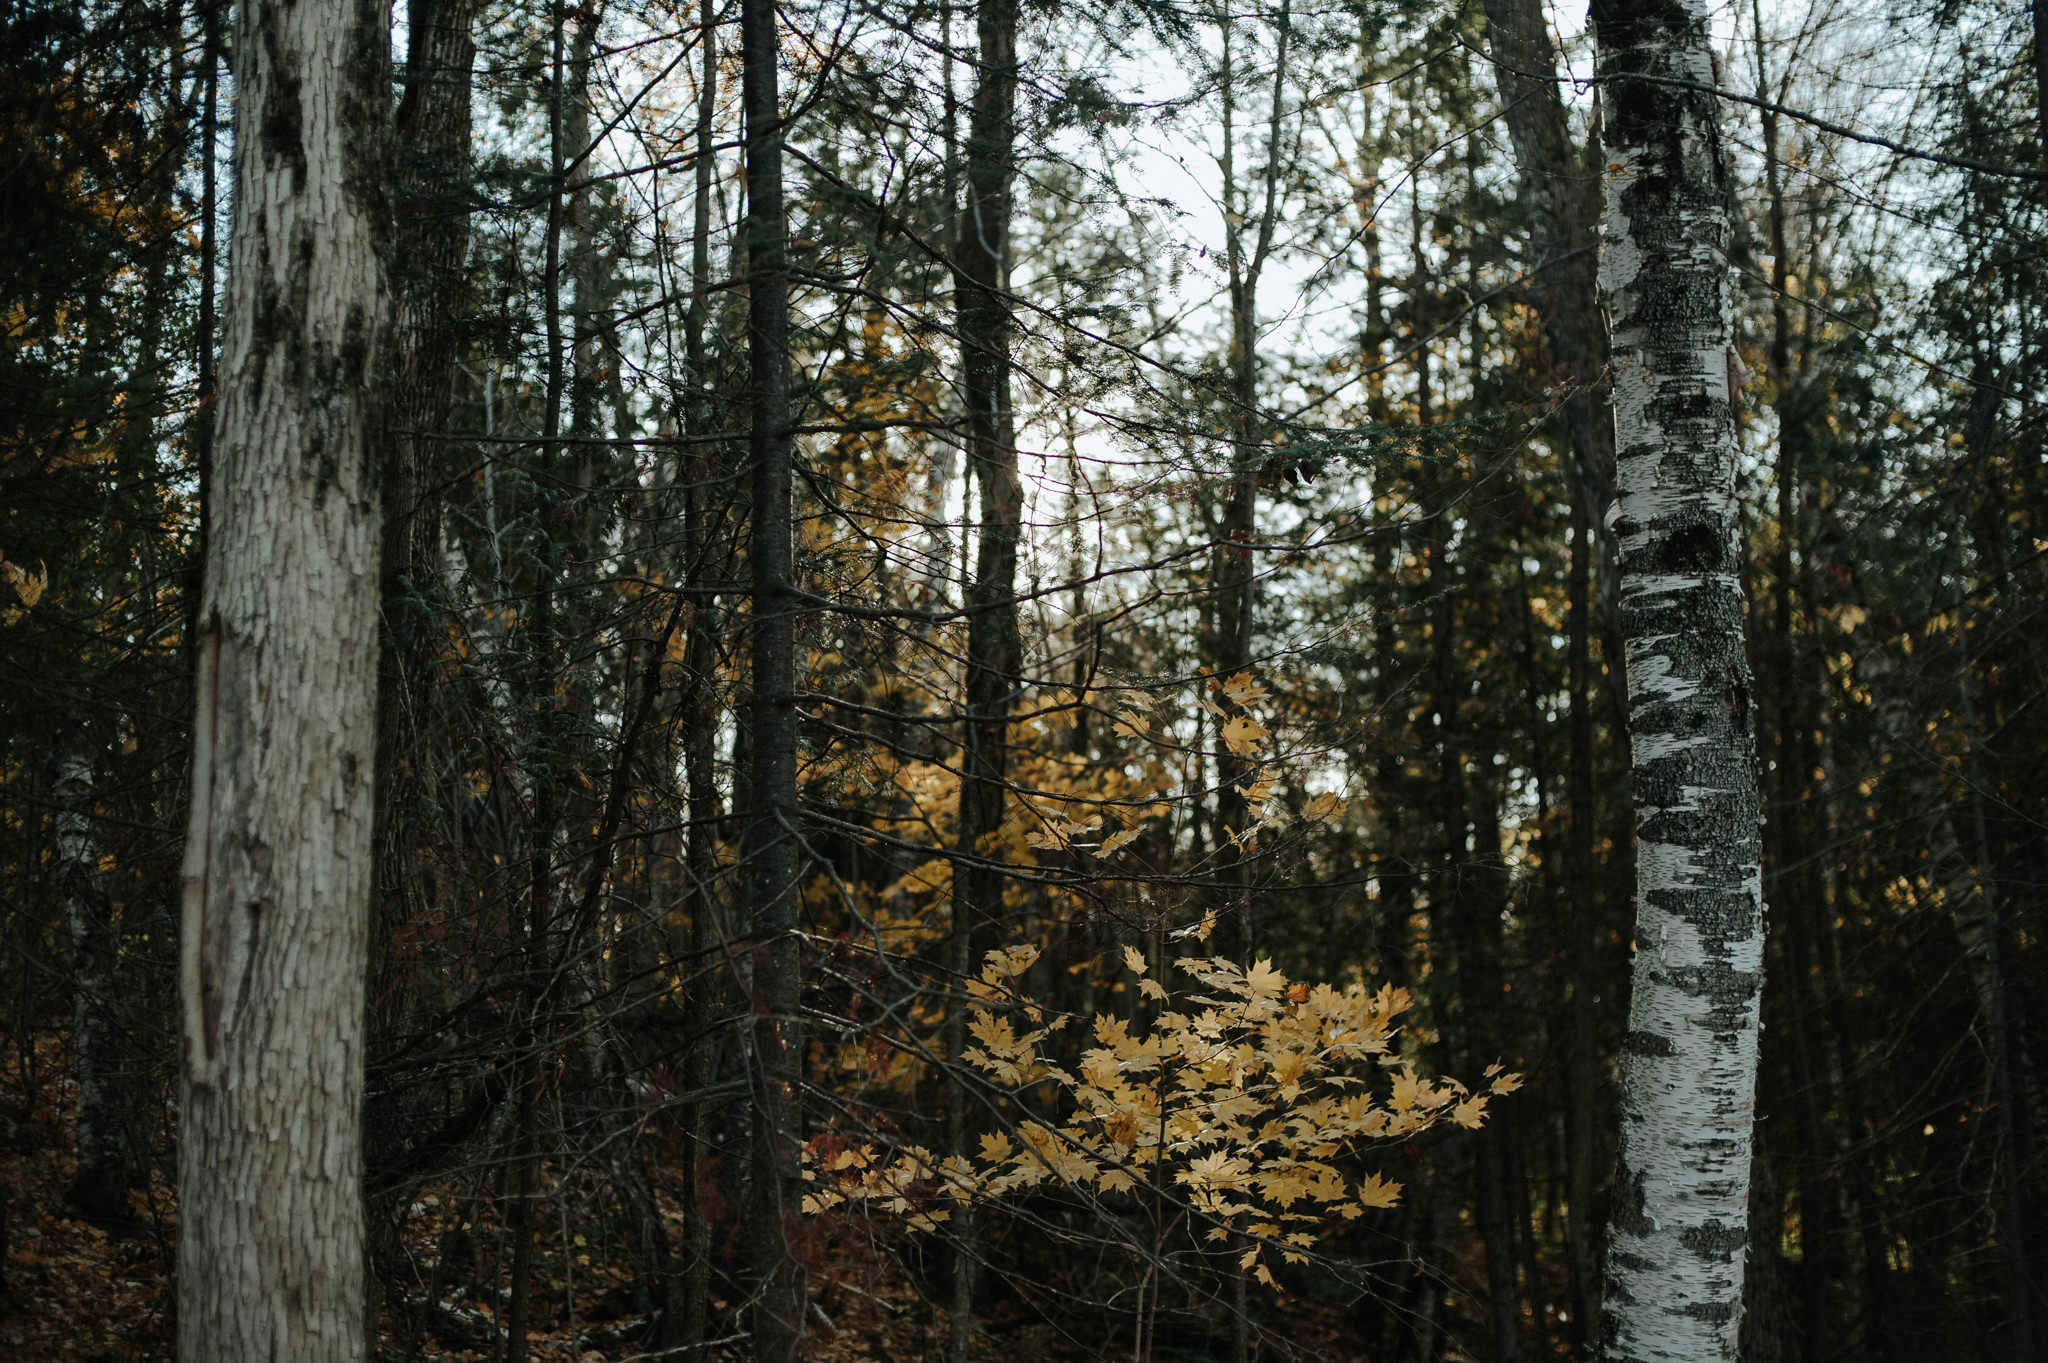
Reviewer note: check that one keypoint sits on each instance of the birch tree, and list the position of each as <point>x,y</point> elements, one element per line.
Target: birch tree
<point>277,863</point>
<point>1679,1231</point>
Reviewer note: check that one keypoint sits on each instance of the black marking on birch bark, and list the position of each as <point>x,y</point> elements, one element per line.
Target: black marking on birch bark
<point>1715,1238</point>
<point>1646,1043</point>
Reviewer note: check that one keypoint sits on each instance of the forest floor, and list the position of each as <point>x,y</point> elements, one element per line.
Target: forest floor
<point>73,1293</point>
<point>76,1294</point>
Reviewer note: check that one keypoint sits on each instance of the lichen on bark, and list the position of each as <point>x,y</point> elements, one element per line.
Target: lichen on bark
<point>1679,1233</point>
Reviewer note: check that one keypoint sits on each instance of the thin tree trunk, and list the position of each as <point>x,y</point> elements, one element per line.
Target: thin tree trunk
<point>99,1187</point>
<point>2013,1124</point>
<point>1560,190</point>
<point>536,1036</point>
<point>433,153</point>
<point>2038,12</point>
<point>1235,571</point>
<point>1679,1232</point>
<point>203,414</point>
<point>431,242</point>
<point>994,656</point>
<point>700,716</point>
<point>1583,1068</point>
<point>770,839</point>
<point>1797,892</point>
<point>1486,1042</point>
<point>277,873</point>
<point>1432,1255</point>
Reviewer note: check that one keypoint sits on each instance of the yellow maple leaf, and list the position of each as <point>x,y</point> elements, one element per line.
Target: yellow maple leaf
<point>1264,981</point>
<point>1112,1180</point>
<point>1408,1091</point>
<point>1242,689</point>
<point>1116,842</point>
<point>1323,808</point>
<point>1374,1191</point>
<point>27,585</point>
<point>1007,963</point>
<point>1242,734</point>
<point>1134,960</point>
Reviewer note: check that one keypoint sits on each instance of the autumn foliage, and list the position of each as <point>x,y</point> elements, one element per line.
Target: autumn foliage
<point>1236,1098</point>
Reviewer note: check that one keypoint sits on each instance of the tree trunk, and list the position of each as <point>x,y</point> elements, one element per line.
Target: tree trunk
<point>994,657</point>
<point>99,1188</point>
<point>1583,1068</point>
<point>432,140</point>
<point>1679,1232</point>
<point>277,872</point>
<point>1234,572</point>
<point>1560,191</point>
<point>769,851</point>
<point>699,701</point>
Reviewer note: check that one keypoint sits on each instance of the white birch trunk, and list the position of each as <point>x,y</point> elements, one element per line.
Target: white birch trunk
<point>1679,1233</point>
<point>277,860</point>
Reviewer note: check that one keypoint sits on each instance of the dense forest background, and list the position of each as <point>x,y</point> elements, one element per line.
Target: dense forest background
<point>1247,598</point>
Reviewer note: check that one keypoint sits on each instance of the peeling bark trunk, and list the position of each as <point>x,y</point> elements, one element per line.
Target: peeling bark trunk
<point>1679,1233</point>
<point>277,874</point>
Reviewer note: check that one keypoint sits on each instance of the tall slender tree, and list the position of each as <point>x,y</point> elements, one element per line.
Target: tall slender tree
<point>770,838</point>
<point>277,861</point>
<point>981,249</point>
<point>1679,1232</point>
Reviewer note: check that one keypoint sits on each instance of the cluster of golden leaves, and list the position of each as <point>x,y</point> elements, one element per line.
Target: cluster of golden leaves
<point>28,587</point>
<point>1238,1098</point>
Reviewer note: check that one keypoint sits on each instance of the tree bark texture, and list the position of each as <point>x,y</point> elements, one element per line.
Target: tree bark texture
<point>770,839</point>
<point>1679,1231</point>
<point>277,868</point>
